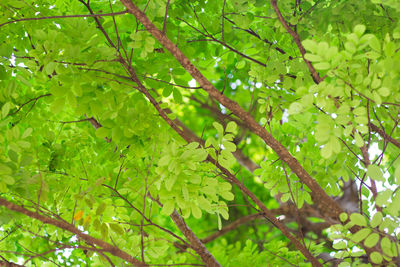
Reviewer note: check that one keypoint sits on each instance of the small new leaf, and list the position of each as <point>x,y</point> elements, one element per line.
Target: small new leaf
<point>343,216</point>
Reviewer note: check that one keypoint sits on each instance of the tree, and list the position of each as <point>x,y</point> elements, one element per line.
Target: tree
<point>199,133</point>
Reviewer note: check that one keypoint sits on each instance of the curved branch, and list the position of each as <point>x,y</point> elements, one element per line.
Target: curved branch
<point>72,229</point>
<point>198,245</point>
<point>26,103</point>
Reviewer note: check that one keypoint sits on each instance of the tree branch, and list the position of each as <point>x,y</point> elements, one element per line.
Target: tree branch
<point>9,264</point>
<point>70,228</point>
<point>207,258</point>
<point>29,101</point>
<point>232,226</point>
<point>65,16</point>
<point>384,135</point>
<point>317,79</point>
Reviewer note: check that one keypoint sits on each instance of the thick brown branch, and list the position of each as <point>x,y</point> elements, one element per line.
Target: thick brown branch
<point>326,204</point>
<point>196,244</point>
<point>200,249</point>
<point>70,228</point>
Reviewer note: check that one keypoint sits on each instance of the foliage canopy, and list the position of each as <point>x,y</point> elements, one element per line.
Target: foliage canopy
<point>204,133</point>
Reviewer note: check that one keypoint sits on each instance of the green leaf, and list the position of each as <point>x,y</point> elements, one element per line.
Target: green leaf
<point>376,220</point>
<point>196,212</point>
<point>343,216</point>
<point>102,132</point>
<point>397,174</point>
<point>360,111</point>
<point>229,146</point>
<point>49,68</point>
<point>358,219</point>
<point>168,207</point>
<point>295,108</point>
<point>360,235</point>
<point>384,91</point>
<point>241,64</point>
<point>219,222</point>
<point>57,105</point>
<point>104,230</point>
<point>164,160</point>
<point>58,91</point>
<point>4,169</point>
<point>371,240</point>
<point>340,245</point>
<point>100,209</point>
<point>313,58</point>
<point>350,47</point>
<point>150,40</point>
<point>359,30</point>
<point>326,151</point>
<point>170,181</point>
<point>374,43</point>
<point>231,127</point>
<point>5,109</point>
<point>310,45</point>
<point>117,228</point>
<point>219,128</point>
<point>359,140</point>
<point>7,179</point>
<point>372,55</point>
<point>3,73</point>
<point>375,173</point>
<point>192,145</point>
<point>167,91</point>
<point>227,195</point>
<point>322,66</point>
<point>376,257</point>
<point>177,95</point>
<point>27,133</point>
<point>386,246</point>
<point>383,197</point>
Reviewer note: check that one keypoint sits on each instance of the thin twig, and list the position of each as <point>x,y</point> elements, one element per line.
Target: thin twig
<point>65,16</point>
<point>165,18</point>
